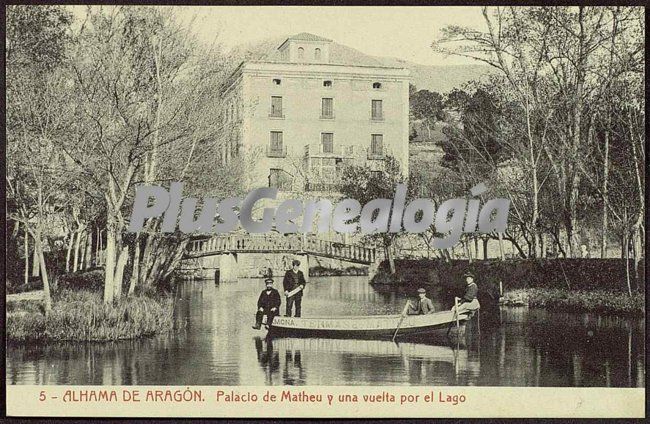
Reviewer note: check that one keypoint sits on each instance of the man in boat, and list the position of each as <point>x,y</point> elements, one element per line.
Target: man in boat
<point>294,279</point>
<point>267,304</point>
<point>468,302</point>
<point>423,306</point>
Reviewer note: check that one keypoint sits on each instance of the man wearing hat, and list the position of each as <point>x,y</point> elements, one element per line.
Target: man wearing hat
<point>293,279</point>
<point>268,304</point>
<point>469,300</point>
<point>423,306</point>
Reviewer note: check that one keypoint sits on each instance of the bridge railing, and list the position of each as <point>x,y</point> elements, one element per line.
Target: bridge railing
<point>289,243</point>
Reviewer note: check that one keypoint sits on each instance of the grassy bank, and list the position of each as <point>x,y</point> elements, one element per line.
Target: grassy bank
<point>600,301</point>
<point>81,315</point>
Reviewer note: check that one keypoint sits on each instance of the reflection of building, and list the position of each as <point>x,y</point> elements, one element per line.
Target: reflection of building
<point>311,106</point>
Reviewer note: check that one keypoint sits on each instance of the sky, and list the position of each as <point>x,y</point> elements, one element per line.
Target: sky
<point>402,32</point>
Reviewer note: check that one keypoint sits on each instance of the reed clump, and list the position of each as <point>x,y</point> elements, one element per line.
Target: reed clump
<point>81,315</point>
<point>601,301</point>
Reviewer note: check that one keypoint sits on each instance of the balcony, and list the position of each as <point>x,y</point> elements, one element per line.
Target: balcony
<point>339,151</point>
<point>321,186</point>
<point>276,152</point>
<point>375,155</point>
<point>276,115</point>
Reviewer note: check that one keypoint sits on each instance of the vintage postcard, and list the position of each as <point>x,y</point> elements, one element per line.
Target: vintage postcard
<point>325,211</point>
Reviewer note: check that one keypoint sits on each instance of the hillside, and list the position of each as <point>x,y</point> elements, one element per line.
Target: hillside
<point>439,78</point>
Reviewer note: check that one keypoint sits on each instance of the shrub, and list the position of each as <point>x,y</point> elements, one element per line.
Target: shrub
<point>92,280</point>
<point>578,300</point>
<point>33,283</point>
<point>573,274</point>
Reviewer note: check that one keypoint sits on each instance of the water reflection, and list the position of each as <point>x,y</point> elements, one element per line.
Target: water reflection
<point>214,345</point>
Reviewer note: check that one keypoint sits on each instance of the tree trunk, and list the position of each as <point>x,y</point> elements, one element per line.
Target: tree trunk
<point>485,247</point>
<point>501,250</point>
<point>638,225</point>
<point>119,272</point>
<point>626,243</point>
<point>96,249</point>
<point>75,263</point>
<point>603,240</point>
<point>135,276</point>
<point>577,134</point>
<point>175,260</point>
<point>69,252</point>
<point>38,248</point>
<point>391,259</point>
<point>636,252</point>
<point>89,249</point>
<point>26,255</point>
<point>82,251</point>
<point>147,261</point>
<point>98,253</point>
<point>109,287</point>
<point>36,270</point>
<point>535,182</point>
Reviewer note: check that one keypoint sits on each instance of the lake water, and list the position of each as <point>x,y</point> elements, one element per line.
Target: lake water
<point>215,345</point>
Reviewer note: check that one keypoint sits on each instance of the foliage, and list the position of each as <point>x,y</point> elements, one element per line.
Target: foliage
<point>92,281</point>
<point>364,183</point>
<point>321,271</point>
<point>572,274</point>
<point>560,124</point>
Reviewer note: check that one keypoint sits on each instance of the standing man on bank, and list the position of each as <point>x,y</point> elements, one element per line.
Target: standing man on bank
<point>294,279</point>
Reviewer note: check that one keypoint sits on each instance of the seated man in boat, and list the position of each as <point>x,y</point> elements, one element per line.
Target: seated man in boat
<point>267,304</point>
<point>468,302</point>
<point>423,306</point>
<point>294,279</point>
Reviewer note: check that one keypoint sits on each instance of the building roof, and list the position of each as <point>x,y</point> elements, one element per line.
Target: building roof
<point>305,36</point>
<point>338,54</point>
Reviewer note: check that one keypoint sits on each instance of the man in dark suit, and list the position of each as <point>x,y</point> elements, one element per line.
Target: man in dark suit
<point>293,279</point>
<point>267,304</point>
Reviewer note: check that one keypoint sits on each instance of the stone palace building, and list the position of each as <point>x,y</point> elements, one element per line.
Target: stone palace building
<point>311,106</point>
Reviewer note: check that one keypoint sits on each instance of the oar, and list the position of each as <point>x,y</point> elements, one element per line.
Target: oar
<point>404,311</point>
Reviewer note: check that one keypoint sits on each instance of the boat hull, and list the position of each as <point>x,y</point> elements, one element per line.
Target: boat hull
<point>381,326</point>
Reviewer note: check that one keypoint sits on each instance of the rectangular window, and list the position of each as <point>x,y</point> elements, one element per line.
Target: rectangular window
<point>327,140</point>
<point>276,142</point>
<point>328,108</point>
<point>276,106</point>
<point>377,111</point>
<point>377,144</point>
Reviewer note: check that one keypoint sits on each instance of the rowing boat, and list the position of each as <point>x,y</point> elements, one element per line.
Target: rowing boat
<point>372,326</point>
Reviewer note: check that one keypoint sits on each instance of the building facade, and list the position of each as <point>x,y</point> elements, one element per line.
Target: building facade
<point>311,107</point>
